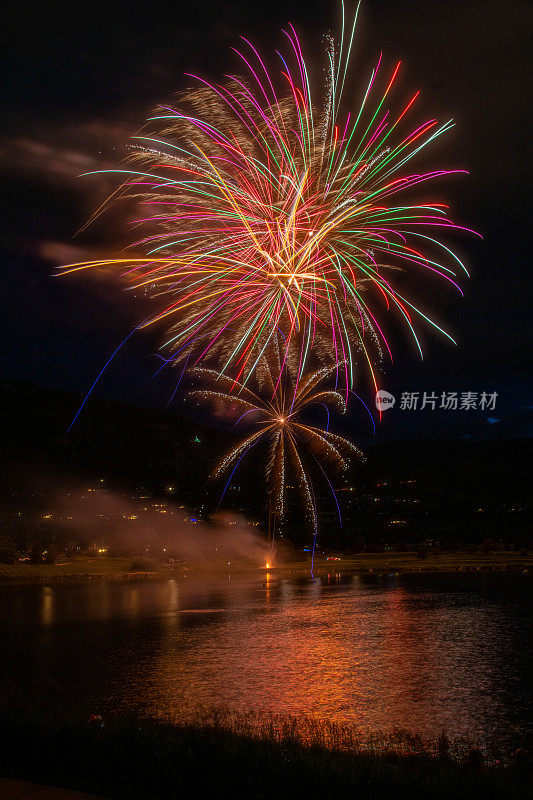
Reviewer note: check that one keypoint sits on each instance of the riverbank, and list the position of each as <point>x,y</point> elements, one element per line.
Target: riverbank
<point>80,569</point>
<point>228,756</point>
<point>126,569</point>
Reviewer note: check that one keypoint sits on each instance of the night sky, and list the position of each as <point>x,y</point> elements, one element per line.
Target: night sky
<point>81,78</point>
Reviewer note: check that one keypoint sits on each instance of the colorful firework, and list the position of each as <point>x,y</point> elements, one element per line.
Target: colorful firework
<point>275,222</point>
<point>275,411</point>
<point>271,208</point>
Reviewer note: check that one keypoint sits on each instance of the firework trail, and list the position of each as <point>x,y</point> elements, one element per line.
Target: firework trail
<point>267,208</point>
<point>274,413</point>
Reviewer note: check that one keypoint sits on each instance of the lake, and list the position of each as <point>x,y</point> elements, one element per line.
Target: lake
<point>421,652</point>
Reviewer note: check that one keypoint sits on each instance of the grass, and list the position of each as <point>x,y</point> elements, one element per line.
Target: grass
<point>218,755</point>
<point>410,562</point>
<point>77,568</point>
<point>121,568</point>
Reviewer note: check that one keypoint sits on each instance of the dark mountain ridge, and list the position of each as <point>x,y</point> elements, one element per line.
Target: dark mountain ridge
<point>408,489</point>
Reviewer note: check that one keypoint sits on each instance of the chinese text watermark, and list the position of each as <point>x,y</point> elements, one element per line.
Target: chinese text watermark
<point>447,401</point>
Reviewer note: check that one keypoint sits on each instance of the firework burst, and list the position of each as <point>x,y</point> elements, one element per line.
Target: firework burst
<point>275,413</point>
<point>268,208</point>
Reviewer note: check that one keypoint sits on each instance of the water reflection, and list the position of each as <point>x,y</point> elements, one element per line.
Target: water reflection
<point>422,652</point>
<point>47,605</point>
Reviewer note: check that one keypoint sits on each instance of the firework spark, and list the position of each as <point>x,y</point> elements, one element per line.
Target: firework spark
<point>275,411</point>
<point>266,208</point>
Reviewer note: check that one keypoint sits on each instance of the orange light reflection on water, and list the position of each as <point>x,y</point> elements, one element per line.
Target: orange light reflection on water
<point>368,652</point>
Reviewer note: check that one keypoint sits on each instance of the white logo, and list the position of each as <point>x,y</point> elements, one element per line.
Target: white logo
<point>384,400</point>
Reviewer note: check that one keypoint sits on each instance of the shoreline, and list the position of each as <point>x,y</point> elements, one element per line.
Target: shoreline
<point>223,756</point>
<point>369,564</point>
